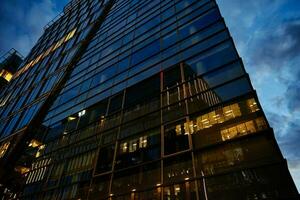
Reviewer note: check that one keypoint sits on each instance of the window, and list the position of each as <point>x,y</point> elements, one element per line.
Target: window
<point>252,105</point>
<point>6,75</point>
<point>184,190</point>
<point>139,149</point>
<point>172,77</point>
<point>178,168</point>
<point>227,156</point>
<point>115,103</point>
<point>145,52</point>
<point>105,159</point>
<point>3,148</point>
<point>215,57</point>
<point>100,187</point>
<point>233,89</point>
<point>136,179</point>
<point>176,138</point>
<point>143,91</point>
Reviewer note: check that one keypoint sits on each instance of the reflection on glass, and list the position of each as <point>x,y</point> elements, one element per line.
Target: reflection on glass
<point>178,168</point>
<point>243,128</point>
<point>100,187</point>
<point>136,179</point>
<point>105,159</point>
<point>217,116</point>
<point>176,138</point>
<point>180,191</point>
<point>139,149</point>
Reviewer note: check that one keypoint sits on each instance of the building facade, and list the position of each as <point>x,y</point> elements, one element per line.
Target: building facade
<point>128,99</point>
<point>9,63</point>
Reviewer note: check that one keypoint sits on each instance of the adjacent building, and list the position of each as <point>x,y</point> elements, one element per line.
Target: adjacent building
<point>128,99</point>
<point>9,63</point>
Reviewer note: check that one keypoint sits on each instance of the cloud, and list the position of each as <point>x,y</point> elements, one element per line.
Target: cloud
<point>267,36</point>
<point>22,22</point>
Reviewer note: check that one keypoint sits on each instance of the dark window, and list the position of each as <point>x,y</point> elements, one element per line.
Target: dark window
<point>233,89</point>
<point>100,187</point>
<point>143,91</point>
<point>136,179</point>
<point>145,52</point>
<point>172,77</point>
<point>105,159</point>
<point>115,103</point>
<point>176,137</point>
<point>178,168</point>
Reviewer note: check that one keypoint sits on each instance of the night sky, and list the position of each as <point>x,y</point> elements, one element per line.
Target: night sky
<point>267,36</point>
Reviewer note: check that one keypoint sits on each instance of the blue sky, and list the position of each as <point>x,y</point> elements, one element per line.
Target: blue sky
<point>267,36</point>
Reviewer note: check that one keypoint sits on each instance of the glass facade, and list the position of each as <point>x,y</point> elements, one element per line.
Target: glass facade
<point>139,100</point>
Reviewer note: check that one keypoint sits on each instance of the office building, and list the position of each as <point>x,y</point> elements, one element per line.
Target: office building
<point>9,63</point>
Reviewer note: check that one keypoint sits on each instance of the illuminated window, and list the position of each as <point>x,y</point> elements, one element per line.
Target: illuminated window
<point>34,143</point>
<point>143,142</point>
<point>178,129</point>
<point>124,147</point>
<point>3,149</point>
<point>217,117</point>
<point>40,151</point>
<point>252,105</point>
<point>6,75</point>
<point>243,128</point>
<point>44,54</point>
<point>250,126</point>
<point>81,113</point>
<point>37,171</point>
<point>22,170</point>
<point>132,146</point>
<point>261,123</point>
<point>232,111</point>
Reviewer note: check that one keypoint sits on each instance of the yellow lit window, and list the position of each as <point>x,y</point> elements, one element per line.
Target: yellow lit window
<point>143,142</point>
<point>34,143</point>
<point>3,149</point>
<point>70,35</point>
<point>199,123</point>
<point>252,105</point>
<point>40,151</point>
<point>250,126</point>
<point>22,170</point>
<point>6,75</point>
<point>242,128</point>
<point>189,127</point>
<point>236,110</point>
<point>232,111</point>
<point>132,146</point>
<point>178,130</point>
<point>124,147</point>
<point>42,55</point>
<point>261,123</point>
<point>212,119</point>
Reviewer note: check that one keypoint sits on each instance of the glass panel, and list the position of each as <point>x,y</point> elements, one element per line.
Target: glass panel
<point>136,179</point>
<point>176,138</point>
<point>233,89</point>
<point>139,149</point>
<point>235,155</point>
<point>178,168</point>
<point>180,191</point>
<point>105,159</point>
<point>100,187</point>
<point>172,77</point>
<point>145,52</point>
